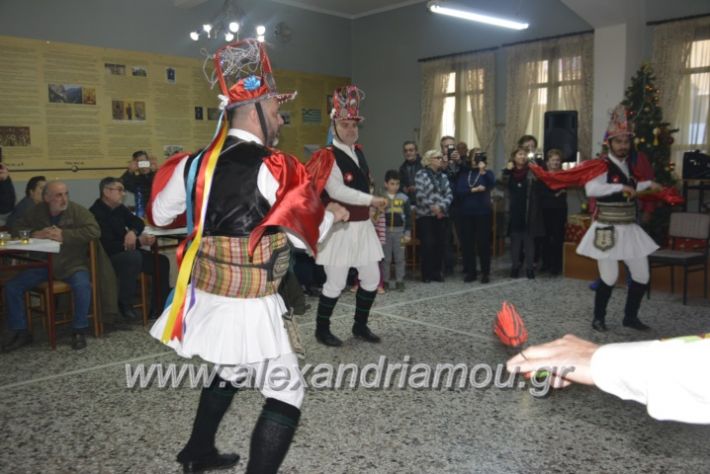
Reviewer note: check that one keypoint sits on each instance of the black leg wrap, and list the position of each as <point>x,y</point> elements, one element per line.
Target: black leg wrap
<point>325,311</point>
<point>272,436</point>
<point>363,303</point>
<point>633,303</point>
<point>601,299</point>
<point>214,403</point>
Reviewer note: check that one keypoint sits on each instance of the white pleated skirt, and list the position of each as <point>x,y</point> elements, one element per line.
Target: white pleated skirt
<point>350,244</point>
<point>230,331</point>
<point>631,242</point>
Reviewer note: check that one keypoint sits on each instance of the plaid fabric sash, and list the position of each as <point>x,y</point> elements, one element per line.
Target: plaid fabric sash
<point>224,268</point>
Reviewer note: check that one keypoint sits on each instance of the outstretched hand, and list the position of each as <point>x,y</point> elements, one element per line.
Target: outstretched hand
<point>569,359</point>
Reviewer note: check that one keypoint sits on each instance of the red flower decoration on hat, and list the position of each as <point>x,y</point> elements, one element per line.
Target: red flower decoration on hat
<point>348,177</point>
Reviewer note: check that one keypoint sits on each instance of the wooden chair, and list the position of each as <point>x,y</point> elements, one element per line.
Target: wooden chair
<point>41,295</point>
<point>410,248</point>
<point>144,300</point>
<point>685,225</point>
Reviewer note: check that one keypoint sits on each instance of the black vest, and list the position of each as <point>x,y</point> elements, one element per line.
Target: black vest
<point>235,206</point>
<point>360,174</point>
<point>614,175</point>
<point>354,176</point>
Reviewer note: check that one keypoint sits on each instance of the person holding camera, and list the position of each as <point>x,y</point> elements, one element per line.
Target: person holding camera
<point>472,192</point>
<point>138,179</point>
<point>451,163</point>
<point>525,220</point>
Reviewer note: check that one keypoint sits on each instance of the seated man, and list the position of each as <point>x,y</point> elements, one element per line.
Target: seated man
<point>33,196</point>
<point>59,219</point>
<point>121,237</point>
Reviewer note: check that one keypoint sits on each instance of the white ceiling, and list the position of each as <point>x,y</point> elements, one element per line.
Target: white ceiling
<point>350,9</point>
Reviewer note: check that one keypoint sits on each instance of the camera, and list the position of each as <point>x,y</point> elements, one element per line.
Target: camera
<point>480,157</point>
<point>449,150</point>
<point>144,164</point>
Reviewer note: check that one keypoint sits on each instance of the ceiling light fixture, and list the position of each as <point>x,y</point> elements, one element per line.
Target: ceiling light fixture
<point>435,7</point>
<point>226,25</point>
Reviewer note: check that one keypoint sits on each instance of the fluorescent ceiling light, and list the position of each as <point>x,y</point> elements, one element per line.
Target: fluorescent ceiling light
<point>434,7</point>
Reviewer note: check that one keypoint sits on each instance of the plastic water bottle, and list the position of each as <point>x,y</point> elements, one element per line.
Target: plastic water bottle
<point>140,207</point>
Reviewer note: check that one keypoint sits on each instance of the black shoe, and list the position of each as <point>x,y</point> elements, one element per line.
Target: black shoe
<point>426,280</point>
<point>324,336</point>
<point>599,325</point>
<point>361,331</point>
<point>16,340</point>
<point>128,313</point>
<point>438,279</point>
<point>530,274</point>
<point>215,462</point>
<point>470,278</point>
<point>514,272</point>
<point>78,341</point>
<point>485,279</point>
<point>636,324</point>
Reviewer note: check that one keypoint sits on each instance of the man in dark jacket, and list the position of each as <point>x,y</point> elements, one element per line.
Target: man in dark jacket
<point>121,237</point>
<point>408,170</point>
<point>74,227</point>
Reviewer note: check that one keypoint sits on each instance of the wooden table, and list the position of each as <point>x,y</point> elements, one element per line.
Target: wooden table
<point>20,252</point>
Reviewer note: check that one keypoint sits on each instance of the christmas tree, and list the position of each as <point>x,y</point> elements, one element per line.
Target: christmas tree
<point>653,135</point>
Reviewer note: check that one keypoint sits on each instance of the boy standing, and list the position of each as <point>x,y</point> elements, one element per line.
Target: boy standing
<point>397,232</point>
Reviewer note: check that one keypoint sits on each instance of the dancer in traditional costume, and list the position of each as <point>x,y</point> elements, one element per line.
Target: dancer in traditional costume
<point>614,234</point>
<point>341,173</point>
<point>245,201</point>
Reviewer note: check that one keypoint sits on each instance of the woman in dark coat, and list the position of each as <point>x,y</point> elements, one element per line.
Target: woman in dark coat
<point>525,217</point>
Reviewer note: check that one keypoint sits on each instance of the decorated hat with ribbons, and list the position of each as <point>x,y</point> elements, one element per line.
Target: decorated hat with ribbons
<point>619,124</point>
<point>243,71</point>
<point>346,103</point>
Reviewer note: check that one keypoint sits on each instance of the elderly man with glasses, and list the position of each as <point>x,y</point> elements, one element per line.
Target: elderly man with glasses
<point>122,238</point>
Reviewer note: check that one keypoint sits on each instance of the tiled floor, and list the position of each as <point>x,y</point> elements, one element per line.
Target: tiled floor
<point>69,411</point>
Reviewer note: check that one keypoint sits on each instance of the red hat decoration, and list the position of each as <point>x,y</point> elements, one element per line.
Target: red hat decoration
<point>346,103</point>
<point>619,124</point>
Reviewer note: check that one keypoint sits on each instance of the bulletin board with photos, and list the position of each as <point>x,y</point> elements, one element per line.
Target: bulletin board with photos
<point>66,106</point>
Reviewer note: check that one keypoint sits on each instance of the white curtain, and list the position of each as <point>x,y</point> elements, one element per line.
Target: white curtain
<point>478,73</point>
<point>472,90</point>
<point>555,74</point>
<point>435,75</point>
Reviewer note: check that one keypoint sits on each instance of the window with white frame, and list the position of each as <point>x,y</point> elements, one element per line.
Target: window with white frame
<point>694,109</point>
<point>457,116</point>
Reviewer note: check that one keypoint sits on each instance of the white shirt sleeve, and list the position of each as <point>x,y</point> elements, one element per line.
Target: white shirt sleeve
<point>598,187</point>
<point>669,377</point>
<point>335,186</point>
<point>643,185</point>
<point>170,202</point>
<point>268,186</point>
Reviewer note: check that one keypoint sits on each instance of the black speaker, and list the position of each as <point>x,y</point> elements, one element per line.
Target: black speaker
<point>561,133</point>
<point>696,165</point>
